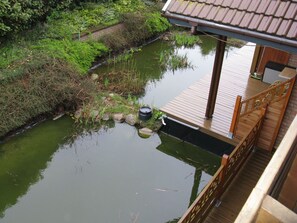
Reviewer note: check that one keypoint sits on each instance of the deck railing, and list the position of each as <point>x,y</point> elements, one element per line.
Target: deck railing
<point>228,169</point>
<point>271,178</point>
<point>274,93</point>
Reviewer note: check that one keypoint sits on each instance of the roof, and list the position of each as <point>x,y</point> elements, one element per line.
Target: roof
<point>275,18</point>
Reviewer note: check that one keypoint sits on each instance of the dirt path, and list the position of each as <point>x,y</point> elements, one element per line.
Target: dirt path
<point>99,33</point>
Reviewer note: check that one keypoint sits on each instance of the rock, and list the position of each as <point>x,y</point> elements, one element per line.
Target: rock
<point>94,77</point>
<point>131,119</point>
<point>119,117</point>
<point>166,38</point>
<point>145,132</point>
<point>78,113</point>
<point>94,113</point>
<point>105,117</point>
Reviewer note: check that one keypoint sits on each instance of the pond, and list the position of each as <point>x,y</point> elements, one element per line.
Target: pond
<point>163,85</point>
<point>53,173</point>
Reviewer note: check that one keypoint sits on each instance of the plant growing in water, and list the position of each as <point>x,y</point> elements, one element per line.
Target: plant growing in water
<point>185,39</point>
<point>172,61</point>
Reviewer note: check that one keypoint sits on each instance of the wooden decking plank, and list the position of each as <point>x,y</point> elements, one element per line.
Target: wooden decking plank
<point>191,104</point>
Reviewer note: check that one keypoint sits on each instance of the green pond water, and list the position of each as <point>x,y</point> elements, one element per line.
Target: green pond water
<point>52,173</point>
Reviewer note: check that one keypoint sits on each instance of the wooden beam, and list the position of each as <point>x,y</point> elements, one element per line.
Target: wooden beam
<point>256,57</point>
<point>216,74</point>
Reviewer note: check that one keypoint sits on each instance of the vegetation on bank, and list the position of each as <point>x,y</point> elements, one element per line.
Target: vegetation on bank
<point>43,67</point>
<point>40,89</point>
<point>104,106</point>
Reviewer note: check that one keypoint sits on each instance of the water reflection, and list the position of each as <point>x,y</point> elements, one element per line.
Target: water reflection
<point>163,85</point>
<point>23,158</point>
<point>112,175</point>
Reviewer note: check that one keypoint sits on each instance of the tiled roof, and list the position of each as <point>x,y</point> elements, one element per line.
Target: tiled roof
<point>273,17</point>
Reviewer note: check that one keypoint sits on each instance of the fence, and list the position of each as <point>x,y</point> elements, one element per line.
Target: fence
<point>222,178</point>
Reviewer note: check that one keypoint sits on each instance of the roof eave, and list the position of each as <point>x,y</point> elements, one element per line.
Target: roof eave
<point>203,23</point>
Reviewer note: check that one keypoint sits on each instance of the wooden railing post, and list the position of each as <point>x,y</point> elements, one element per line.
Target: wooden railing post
<point>236,112</point>
<point>224,163</point>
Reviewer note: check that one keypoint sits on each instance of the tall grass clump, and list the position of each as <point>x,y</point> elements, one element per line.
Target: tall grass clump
<point>125,81</point>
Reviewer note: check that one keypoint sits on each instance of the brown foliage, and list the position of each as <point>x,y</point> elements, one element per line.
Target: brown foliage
<point>40,90</point>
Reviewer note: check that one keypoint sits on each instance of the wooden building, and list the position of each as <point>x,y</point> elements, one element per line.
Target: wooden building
<point>260,114</point>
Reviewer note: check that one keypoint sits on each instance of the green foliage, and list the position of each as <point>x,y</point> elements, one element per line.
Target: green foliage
<point>39,90</point>
<point>185,39</point>
<point>65,24</point>
<point>155,23</point>
<point>80,54</point>
<point>20,14</point>
<point>139,26</point>
<point>124,57</point>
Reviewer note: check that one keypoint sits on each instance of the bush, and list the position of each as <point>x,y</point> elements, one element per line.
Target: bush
<point>18,15</point>
<point>155,23</point>
<point>80,54</point>
<point>138,28</point>
<point>39,90</point>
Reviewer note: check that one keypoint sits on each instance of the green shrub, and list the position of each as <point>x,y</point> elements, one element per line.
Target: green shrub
<point>80,54</point>
<point>155,23</point>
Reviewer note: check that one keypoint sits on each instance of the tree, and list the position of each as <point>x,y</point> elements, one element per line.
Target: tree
<point>16,15</point>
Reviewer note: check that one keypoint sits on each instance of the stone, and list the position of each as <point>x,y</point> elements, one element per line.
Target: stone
<point>78,113</point>
<point>105,117</point>
<point>119,117</point>
<point>94,113</point>
<point>166,38</point>
<point>131,119</point>
<point>145,132</point>
<point>94,77</point>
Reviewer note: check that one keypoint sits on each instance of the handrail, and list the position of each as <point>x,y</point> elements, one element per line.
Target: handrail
<point>274,93</point>
<point>198,210</point>
<point>228,169</point>
<point>270,176</point>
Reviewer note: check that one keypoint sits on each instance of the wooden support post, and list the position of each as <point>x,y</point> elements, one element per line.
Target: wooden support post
<point>216,74</point>
<point>236,113</point>
<point>255,62</point>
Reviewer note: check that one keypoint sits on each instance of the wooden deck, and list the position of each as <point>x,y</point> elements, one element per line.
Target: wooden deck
<point>189,107</point>
<point>237,193</point>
